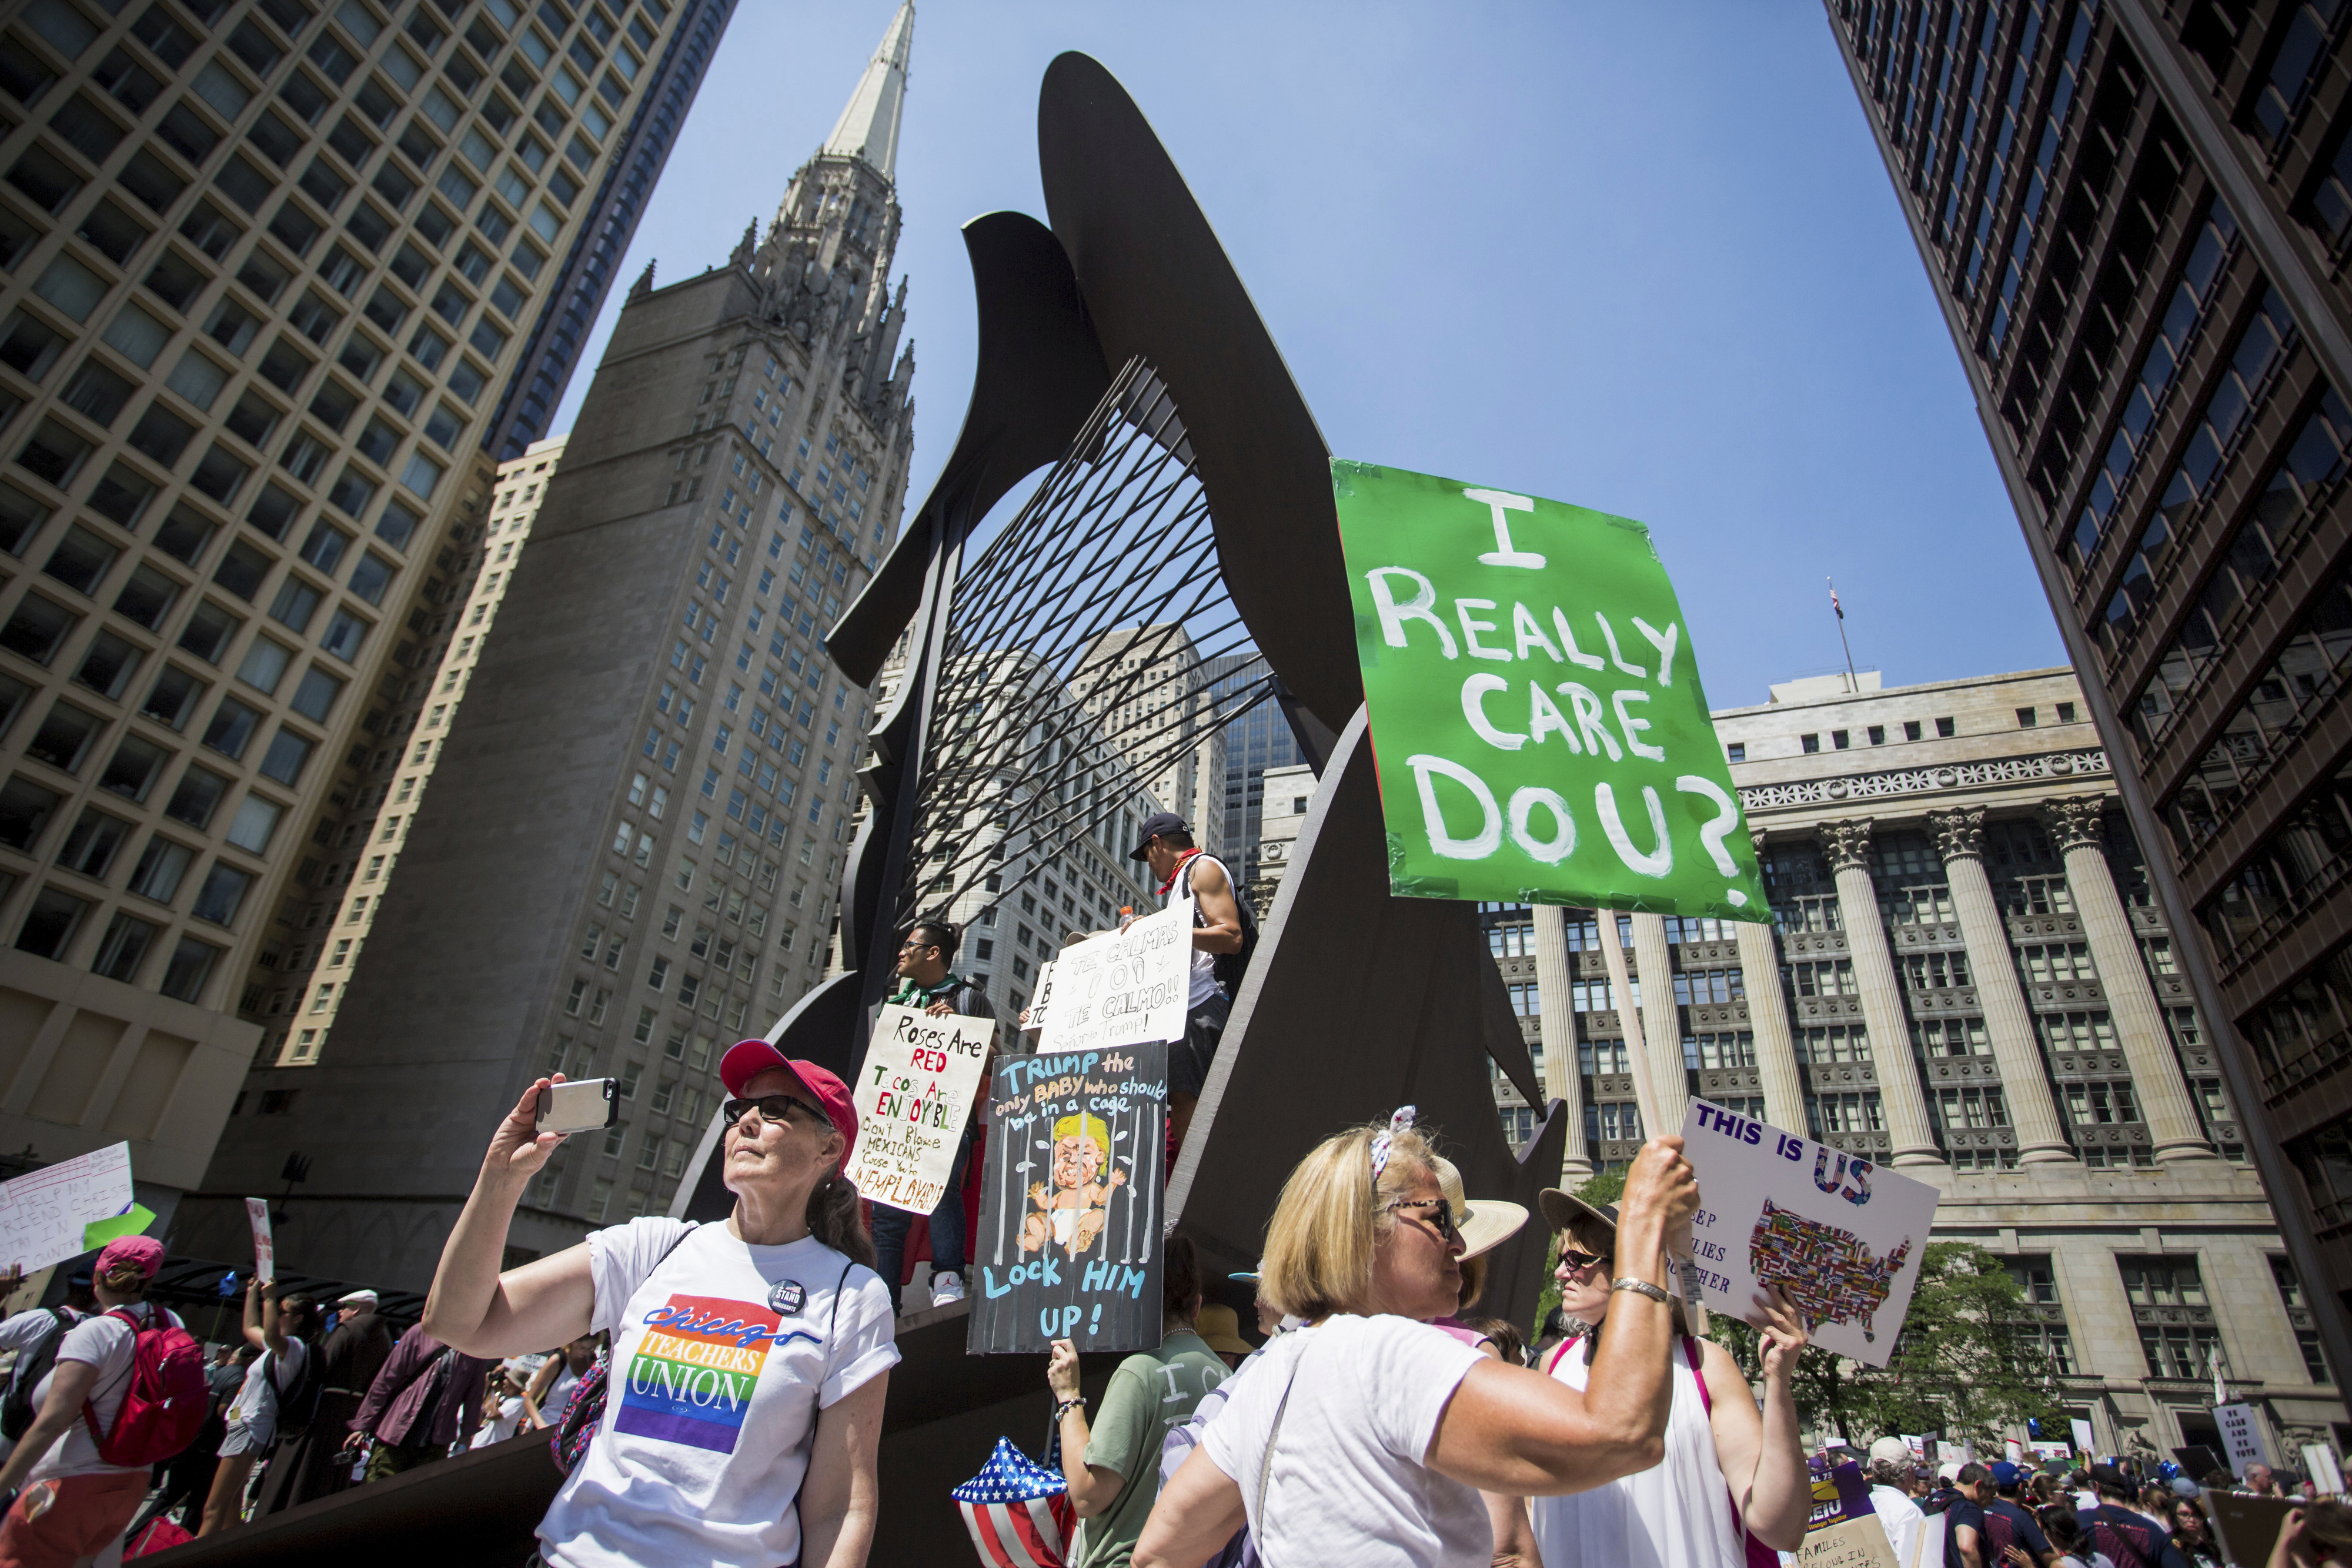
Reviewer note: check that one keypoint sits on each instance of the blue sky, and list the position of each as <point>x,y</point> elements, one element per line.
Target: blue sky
<point>1643,258</point>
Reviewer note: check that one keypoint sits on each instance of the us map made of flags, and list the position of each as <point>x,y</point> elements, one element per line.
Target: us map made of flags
<point>1828,1273</point>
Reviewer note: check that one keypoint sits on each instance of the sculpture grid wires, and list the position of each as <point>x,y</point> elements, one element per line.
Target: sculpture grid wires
<point>1022,764</point>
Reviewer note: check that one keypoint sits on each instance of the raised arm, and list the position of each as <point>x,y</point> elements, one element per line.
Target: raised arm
<point>254,1335</point>
<point>549,1300</point>
<point>1220,928</point>
<point>1760,1453</point>
<point>1512,1429</point>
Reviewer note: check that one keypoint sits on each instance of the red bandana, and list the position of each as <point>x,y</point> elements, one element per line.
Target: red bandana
<point>1181,861</point>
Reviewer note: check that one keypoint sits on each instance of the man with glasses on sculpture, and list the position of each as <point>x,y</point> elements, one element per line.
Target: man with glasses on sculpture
<point>927,985</point>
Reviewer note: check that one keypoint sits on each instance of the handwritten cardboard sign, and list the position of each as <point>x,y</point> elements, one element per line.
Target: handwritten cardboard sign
<point>913,1095</point>
<point>1840,1233</point>
<point>47,1216</point>
<point>1122,988</point>
<point>265,1251</point>
<point>1067,1245</point>
<point>1856,1544</point>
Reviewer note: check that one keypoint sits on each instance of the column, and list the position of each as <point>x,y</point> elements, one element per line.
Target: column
<point>1846,845</point>
<point>2074,822</point>
<point>1662,1022</point>
<point>2024,1078</point>
<point>1621,992</point>
<point>1556,1020</point>
<point>1767,1016</point>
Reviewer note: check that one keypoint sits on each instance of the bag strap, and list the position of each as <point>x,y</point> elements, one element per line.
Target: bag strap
<point>1690,1353</point>
<point>1559,1353</point>
<point>1265,1464</point>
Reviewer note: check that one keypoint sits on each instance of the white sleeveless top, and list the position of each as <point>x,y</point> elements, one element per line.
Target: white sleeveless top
<point>1204,964</point>
<point>1677,1514</point>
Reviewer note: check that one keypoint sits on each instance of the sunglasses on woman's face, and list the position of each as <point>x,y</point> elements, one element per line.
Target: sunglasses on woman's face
<point>1439,1212</point>
<point>1578,1262</point>
<point>772,1108</point>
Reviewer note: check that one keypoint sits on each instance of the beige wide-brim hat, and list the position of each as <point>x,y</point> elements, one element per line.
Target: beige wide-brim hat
<point>1562,1208</point>
<point>1221,1327</point>
<point>1486,1223</point>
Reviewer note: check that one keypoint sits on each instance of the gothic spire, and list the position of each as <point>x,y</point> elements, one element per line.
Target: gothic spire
<point>868,127</point>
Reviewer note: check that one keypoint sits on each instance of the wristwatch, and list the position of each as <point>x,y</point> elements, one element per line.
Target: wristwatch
<point>1643,1288</point>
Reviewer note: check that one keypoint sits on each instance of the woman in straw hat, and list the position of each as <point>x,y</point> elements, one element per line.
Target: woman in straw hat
<point>1732,1485</point>
<point>1366,1436</point>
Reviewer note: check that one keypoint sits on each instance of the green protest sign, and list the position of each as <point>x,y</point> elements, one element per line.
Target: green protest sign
<point>1535,710</point>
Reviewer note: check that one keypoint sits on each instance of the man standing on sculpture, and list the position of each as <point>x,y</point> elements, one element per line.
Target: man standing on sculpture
<point>310,1463</point>
<point>926,983</point>
<point>1167,847</point>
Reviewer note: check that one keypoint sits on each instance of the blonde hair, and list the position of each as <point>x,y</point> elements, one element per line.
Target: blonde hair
<point>1328,1221</point>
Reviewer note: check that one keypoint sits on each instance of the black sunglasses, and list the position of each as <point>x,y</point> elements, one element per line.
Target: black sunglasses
<point>1581,1262</point>
<point>1441,1215</point>
<point>772,1108</point>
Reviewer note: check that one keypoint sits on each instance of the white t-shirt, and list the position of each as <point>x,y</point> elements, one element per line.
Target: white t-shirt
<point>25,1330</point>
<point>1901,1517</point>
<point>559,1395</point>
<point>1348,1482</point>
<point>270,1376</point>
<point>502,1426</point>
<point>107,1343</point>
<point>723,1354</point>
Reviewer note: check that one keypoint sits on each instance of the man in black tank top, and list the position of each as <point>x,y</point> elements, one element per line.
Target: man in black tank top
<point>1166,846</point>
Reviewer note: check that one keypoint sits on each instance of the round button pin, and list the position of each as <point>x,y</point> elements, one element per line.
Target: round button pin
<point>787,1296</point>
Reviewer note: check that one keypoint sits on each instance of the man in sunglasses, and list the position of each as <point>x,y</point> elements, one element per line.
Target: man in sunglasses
<point>928,985</point>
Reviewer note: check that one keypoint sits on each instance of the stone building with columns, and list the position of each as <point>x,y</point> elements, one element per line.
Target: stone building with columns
<point>1966,978</point>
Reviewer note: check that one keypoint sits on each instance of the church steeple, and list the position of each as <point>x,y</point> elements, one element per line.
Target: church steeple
<point>868,127</point>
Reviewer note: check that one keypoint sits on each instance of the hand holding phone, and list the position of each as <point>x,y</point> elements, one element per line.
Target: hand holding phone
<point>581,1107</point>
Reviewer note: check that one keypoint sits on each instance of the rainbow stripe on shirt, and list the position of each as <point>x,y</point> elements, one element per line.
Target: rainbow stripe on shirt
<point>694,1371</point>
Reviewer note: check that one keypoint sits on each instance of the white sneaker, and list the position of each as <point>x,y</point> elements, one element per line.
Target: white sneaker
<point>946,1288</point>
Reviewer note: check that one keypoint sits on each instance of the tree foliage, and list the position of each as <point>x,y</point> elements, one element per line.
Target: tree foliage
<point>1966,1362</point>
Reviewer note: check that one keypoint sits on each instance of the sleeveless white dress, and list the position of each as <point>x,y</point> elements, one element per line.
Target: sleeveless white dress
<point>1677,1514</point>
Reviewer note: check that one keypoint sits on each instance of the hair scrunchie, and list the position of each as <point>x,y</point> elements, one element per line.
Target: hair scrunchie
<point>1382,1142</point>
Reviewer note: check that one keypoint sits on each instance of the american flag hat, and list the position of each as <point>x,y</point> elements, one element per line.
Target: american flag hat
<point>1018,1511</point>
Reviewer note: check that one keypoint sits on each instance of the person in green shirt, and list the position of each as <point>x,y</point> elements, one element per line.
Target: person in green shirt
<point>1113,1465</point>
<point>926,983</point>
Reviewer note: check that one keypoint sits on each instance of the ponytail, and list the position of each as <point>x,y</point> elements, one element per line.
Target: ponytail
<point>837,1219</point>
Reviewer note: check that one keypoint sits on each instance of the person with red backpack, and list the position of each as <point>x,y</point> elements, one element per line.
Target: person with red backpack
<point>128,1390</point>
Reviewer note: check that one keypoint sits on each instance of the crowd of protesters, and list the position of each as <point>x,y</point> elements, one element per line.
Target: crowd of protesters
<point>1381,1421</point>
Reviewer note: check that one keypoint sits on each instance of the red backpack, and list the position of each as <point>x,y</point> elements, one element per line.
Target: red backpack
<point>166,1401</point>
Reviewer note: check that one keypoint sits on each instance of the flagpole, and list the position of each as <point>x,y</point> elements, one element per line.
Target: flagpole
<point>1645,1096</point>
<point>1853,682</point>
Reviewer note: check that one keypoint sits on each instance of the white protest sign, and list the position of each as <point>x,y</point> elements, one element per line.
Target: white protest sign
<point>2319,1464</point>
<point>914,1094</point>
<point>265,1253</point>
<point>43,1215</point>
<point>2085,1440</point>
<point>2241,1438</point>
<point>1042,999</point>
<point>1123,987</point>
<point>1843,1236</point>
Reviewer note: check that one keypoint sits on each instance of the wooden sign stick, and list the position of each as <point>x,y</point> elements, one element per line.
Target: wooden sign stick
<point>1645,1096</point>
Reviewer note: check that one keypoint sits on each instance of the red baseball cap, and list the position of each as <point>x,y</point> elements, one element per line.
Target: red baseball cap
<point>748,1059</point>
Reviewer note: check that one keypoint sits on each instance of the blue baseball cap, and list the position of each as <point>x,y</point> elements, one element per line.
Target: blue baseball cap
<point>2005,1474</point>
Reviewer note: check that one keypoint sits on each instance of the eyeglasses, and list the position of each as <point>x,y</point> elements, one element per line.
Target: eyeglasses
<point>772,1108</point>
<point>1578,1262</point>
<point>1443,1218</point>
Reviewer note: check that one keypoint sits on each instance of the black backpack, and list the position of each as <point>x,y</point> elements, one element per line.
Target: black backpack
<point>1231,966</point>
<point>299,1406</point>
<point>33,1364</point>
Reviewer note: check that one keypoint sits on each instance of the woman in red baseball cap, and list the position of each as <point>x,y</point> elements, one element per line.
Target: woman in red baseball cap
<point>750,1359</point>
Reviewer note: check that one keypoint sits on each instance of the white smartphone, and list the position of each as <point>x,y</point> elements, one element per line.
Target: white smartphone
<point>581,1107</point>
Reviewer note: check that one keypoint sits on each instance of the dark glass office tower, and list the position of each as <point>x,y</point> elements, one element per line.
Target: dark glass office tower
<point>1256,740</point>
<point>2136,215</point>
